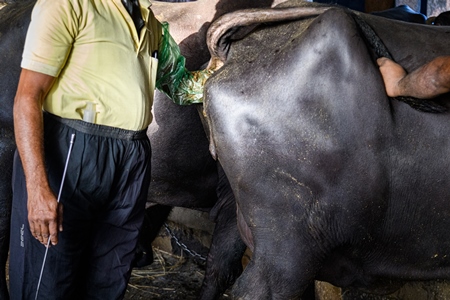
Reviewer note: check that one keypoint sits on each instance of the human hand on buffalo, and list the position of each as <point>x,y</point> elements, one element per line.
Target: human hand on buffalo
<point>427,81</point>
<point>190,90</point>
<point>392,74</point>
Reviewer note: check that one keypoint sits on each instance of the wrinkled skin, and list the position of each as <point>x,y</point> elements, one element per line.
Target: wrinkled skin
<point>333,180</point>
<point>183,172</point>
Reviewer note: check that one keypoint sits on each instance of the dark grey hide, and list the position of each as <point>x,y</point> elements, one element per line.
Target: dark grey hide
<point>14,21</point>
<point>185,175</point>
<point>333,180</point>
<point>183,172</point>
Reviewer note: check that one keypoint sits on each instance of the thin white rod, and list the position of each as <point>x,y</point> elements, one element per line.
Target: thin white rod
<point>59,197</point>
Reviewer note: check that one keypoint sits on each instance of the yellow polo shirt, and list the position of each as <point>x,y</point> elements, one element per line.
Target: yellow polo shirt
<point>93,49</point>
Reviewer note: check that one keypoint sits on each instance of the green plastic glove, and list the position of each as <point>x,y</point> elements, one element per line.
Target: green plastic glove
<point>173,79</point>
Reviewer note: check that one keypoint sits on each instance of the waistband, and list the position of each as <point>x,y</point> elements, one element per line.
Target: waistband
<point>98,130</point>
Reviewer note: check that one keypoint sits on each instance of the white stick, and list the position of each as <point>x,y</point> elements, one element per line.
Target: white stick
<point>59,197</point>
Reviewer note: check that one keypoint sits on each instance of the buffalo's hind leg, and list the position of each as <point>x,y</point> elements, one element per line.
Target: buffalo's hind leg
<point>286,258</point>
<point>227,248</point>
<point>276,276</point>
<point>154,218</point>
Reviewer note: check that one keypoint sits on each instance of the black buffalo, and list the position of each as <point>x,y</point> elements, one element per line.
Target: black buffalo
<point>14,21</point>
<point>183,172</point>
<point>333,180</point>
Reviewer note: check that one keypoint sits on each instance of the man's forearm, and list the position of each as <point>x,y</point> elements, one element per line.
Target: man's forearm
<point>173,79</point>
<point>428,81</point>
<point>43,215</point>
<point>28,129</point>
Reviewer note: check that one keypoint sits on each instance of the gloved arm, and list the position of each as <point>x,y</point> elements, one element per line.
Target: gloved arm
<point>173,79</point>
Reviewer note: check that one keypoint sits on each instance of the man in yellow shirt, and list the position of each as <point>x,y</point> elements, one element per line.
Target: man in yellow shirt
<point>88,69</point>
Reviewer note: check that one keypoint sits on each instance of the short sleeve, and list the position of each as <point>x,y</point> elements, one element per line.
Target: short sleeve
<point>53,28</point>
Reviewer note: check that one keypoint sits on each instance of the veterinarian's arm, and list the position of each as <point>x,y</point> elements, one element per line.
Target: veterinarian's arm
<point>428,81</point>
<point>182,86</point>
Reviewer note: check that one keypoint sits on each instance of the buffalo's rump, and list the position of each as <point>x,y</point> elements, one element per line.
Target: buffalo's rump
<point>334,180</point>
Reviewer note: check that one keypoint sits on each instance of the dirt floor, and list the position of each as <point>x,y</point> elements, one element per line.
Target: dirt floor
<point>170,277</point>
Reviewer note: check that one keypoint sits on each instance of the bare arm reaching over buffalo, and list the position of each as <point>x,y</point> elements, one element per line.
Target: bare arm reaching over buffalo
<point>428,81</point>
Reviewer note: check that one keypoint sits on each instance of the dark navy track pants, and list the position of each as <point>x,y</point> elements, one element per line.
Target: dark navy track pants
<point>103,198</point>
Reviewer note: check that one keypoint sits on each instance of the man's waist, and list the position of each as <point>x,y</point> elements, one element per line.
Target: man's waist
<point>96,129</point>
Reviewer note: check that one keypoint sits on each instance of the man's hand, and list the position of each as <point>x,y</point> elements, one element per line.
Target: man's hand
<point>392,74</point>
<point>44,215</point>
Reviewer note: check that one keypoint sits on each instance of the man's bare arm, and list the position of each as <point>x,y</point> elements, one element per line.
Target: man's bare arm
<point>43,215</point>
<point>428,81</point>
